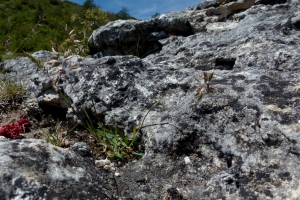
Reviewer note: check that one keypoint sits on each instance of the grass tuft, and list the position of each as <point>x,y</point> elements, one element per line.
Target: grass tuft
<point>10,89</point>
<point>57,136</point>
<point>113,141</point>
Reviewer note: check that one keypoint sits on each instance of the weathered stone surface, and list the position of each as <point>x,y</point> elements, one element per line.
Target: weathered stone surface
<point>34,169</point>
<point>132,37</point>
<point>141,38</point>
<point>228,3</point>
<point>82,149</point>
<point>242,142</point>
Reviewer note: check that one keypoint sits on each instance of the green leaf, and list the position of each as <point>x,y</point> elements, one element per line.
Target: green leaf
<point>134,131</point>
<point>210,75</point>
<point>200,96</point>
<point>205,77</point>
<point>138,153</point>
<point>210,90</point>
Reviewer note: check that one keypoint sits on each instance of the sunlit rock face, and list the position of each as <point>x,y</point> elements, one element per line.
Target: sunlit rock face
<point>239,143</point>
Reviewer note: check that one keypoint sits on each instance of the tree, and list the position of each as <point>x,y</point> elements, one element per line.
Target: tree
<point>54,2</point>
<point>124,13</point>
<point>88,4</point>
<point>155,15</point>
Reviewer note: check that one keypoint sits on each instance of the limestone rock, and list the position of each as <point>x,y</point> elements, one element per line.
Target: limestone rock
<point>132,37</point>
<point>242,141</point>
<point>34,169</point>
<point>82,149</point>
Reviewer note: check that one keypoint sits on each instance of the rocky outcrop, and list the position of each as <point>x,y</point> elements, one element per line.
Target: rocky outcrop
<point>219,3</point>
<point>134,37</point>
<point>141,38</point>
<point>34,169</point>
<point>242,142</point>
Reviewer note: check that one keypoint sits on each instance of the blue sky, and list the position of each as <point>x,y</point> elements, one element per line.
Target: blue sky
<point>143,9</point>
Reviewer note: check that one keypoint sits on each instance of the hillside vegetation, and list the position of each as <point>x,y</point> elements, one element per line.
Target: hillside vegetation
<point>30,25</point>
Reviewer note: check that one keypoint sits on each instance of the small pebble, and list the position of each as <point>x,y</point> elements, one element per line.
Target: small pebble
<point>107,167</point>
<point>112,169</point>
<point>187,160</point>
<point>102,163</point>
<point>3,138</point>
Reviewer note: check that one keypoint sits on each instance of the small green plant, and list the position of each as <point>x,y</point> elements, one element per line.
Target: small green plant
<point>10,90</point>
<point>136,129</point>
<point>56,136</point>
<point>206,87</point>
<point>115,144</point>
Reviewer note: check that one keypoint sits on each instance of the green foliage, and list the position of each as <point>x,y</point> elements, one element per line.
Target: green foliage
<point>114,143</point>
<point>124,14</point>
<point>92,19</point>
<point>28,39</point>
<point>10,89</point>
<point>29,25</point>
<point>38,13</point>
<point>55,2</point>
<point>89,4</point>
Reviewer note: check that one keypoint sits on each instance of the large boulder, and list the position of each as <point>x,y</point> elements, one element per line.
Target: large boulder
<point>242,142</point>
<point>133,37</point>
<point>141,38</point>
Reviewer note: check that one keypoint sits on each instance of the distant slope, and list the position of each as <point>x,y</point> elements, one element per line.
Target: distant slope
<point>21,27</point>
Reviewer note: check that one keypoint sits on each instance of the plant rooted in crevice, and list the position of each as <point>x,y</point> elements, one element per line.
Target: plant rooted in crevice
<point>57,136</point>
<point>10,90</point>
<point>13,130</point>
<point>113,142</point>
<point>206,87</point>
